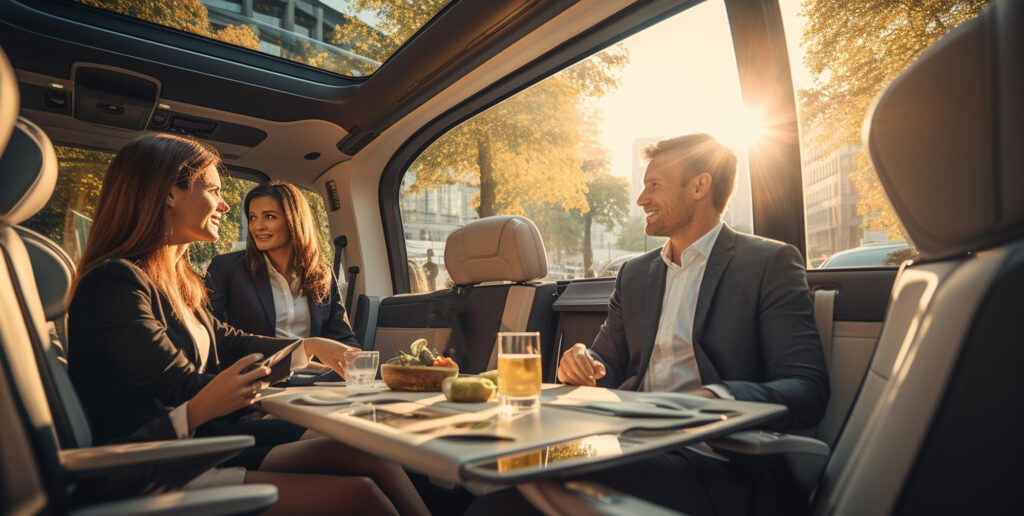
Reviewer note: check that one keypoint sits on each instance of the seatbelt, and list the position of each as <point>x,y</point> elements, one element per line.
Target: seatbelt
<point>372,309</point>
<point>516,316</point>
<point>824,307</point>
<point>353,271</point>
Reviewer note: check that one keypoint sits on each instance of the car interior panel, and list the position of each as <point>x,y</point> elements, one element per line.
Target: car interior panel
<point>455,157</point>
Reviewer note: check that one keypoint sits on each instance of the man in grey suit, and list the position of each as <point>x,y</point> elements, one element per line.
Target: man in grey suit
<point>713,313</point>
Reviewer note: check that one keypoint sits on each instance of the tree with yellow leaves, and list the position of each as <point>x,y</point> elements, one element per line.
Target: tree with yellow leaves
<point>855,48</point>
<point>186,15</point>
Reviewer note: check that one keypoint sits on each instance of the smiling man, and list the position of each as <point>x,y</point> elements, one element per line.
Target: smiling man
<point>713,313</point>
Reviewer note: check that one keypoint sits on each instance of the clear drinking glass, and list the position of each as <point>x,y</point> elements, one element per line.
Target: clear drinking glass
<point>361,368</point>
<point>518,372</point>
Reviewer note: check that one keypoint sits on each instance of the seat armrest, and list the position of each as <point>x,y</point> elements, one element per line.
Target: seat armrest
<point>763,442</point>
<point>215,501</point>
<point>80,462</point>
<point>805,457</point>
<point>586,498</point>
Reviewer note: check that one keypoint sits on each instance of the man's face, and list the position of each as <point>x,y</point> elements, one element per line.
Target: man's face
<point>666,198</point>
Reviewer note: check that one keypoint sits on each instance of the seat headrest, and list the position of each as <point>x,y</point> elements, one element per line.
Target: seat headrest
<point>505,248</point>
<point>28,172</point>
<point>946,137</point>
<point>9,99</point>
<point>53,271</point>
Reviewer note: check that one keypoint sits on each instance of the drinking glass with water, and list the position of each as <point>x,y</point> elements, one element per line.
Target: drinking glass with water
<point>361,368</point>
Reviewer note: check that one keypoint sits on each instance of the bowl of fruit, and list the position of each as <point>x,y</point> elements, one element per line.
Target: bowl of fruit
<point>421,370</point>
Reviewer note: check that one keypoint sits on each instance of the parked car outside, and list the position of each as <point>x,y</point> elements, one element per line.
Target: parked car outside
<point>612,267</point>
<point>874,254</point>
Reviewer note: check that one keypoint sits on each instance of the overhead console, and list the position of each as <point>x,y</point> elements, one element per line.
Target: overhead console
<point>112,97</point>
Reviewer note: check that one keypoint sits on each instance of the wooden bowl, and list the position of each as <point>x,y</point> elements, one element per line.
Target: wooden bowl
<point>415,378</point>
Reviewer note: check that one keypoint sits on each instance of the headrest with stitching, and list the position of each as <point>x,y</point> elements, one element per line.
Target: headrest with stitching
<point>53,271</point>
<point>28,172</point>
<point>947,137</point>
<point>504,248</point>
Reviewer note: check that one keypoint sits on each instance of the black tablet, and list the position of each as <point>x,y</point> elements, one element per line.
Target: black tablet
<point>279,367</point>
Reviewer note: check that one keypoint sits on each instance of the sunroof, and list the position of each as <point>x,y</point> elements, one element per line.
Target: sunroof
<point>346,37</point>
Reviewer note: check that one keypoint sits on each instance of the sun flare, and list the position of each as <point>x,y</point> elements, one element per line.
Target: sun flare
<point>742,129</point>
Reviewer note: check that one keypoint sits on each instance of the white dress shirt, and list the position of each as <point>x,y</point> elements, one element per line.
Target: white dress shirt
<point>290,304</point>
<point>673,365</point>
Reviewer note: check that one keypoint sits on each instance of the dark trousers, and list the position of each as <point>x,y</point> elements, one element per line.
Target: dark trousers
<point>682,480</point>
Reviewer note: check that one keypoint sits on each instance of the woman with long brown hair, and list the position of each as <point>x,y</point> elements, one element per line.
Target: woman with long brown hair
<point>149,361</point>
<point>279,285</point>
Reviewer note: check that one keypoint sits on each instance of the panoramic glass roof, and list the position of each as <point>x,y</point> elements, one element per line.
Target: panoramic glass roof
<point>346,37</point>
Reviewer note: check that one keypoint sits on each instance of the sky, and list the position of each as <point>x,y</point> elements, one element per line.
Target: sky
<point>681,78</point>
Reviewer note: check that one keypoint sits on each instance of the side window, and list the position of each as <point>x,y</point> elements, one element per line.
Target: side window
<point>323,232</point>
<point>838,70</point>
<point>567,151</point>
<point>233,225</point>
<point>67,217</point>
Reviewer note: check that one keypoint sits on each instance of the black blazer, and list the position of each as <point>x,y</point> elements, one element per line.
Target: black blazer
<point>132,360</point>
<point>753,329</point>
<point>247,302</point>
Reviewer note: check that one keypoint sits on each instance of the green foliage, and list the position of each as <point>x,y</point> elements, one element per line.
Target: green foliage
<point>78,188</point>
<point>323,228</point>
<point>633,237</point>
<point>854,49</point>
<point>233,190</point>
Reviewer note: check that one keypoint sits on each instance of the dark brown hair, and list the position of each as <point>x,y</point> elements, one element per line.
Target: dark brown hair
<point>698,153</point>
<point>131,219</point>
<point>312,272</point>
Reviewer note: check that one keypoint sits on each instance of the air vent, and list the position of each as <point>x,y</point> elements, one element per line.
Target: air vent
<point>195,127</point>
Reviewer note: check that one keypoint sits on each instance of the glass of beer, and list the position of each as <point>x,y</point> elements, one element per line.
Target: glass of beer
<point>518,372</point>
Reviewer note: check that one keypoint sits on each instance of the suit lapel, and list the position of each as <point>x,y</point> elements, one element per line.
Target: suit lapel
<point>721,254</point>
<point>316,316</point>
<point>213,359</point>
<point>262,284</point>
<point>656,287</point>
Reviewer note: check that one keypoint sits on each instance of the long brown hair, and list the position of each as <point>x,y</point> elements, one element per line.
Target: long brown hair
<point>306,261</point>
<point>131,219</point>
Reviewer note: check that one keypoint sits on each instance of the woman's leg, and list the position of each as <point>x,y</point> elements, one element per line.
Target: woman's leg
<point>322,494</point>
<point>330,457</point>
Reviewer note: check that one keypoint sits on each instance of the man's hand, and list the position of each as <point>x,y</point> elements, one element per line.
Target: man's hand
<point>579,368</point>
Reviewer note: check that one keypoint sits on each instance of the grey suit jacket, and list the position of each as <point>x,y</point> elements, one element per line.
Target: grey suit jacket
<point>753,328</point>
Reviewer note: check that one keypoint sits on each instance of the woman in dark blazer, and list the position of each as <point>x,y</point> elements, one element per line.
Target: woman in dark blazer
<point>256,290</point>
<point>150,361</point>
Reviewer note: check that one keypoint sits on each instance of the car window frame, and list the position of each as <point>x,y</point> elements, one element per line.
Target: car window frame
<point>630,21</point>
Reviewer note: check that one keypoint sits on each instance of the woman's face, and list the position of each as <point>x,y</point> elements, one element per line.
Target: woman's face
<point>195,213</point>
<point>267,225</point>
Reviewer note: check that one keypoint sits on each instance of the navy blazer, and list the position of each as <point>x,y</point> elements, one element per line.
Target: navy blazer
<point>753,326</point>
<point>132,359</point>
<point>247,302</point>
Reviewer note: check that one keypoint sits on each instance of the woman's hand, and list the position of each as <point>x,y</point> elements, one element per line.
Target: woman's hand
<point>330,352</point>
<point>232,389</point>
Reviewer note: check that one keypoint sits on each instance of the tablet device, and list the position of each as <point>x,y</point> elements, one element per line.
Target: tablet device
<point>279,367</point>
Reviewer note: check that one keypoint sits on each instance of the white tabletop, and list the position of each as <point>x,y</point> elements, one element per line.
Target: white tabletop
<point>457,442</point>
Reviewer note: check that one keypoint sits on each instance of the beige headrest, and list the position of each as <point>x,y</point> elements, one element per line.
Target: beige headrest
<point>28,172</point>
<point>945,137</point>
<point>8,100</point>
<point>506,248</point>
